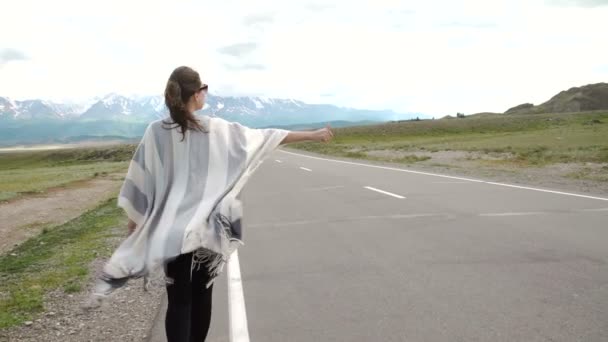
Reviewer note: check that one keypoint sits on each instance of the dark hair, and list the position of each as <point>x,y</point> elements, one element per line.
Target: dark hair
<point>182,84</point>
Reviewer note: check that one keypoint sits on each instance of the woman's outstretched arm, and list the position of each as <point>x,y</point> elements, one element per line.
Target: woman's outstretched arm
<point>320,135</point>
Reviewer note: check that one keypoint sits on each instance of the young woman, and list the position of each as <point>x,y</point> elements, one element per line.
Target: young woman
<point>181,197</point>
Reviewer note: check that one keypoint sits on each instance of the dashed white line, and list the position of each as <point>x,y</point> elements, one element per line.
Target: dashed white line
<point>449,177</point>
<point>237,316</point>
<point>384,192</point>
<point>305,169</point>
<point>384,167</point>
<point>278,161</point>
<point>596,209</point>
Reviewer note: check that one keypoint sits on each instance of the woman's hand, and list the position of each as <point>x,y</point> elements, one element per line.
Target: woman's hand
<point>323,134</point>
<point>320,135</point>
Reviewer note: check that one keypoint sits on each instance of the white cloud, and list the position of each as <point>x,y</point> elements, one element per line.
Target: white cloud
<point>435,57</point>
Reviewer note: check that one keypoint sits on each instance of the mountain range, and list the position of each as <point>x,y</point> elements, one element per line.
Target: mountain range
<point>39,121</point>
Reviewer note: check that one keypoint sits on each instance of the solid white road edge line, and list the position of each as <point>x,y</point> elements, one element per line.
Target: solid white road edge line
<point>237,315</point>
<point>450,177</point>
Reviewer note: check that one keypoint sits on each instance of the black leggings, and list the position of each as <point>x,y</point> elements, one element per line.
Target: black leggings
<point>189,302</point>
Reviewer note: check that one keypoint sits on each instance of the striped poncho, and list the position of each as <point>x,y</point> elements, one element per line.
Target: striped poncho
<point>183,196</point>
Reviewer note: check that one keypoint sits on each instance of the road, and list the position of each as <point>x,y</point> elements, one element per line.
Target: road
<point>342,251</point>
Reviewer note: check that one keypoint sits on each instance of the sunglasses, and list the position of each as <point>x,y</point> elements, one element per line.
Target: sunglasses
<point>203,87</point>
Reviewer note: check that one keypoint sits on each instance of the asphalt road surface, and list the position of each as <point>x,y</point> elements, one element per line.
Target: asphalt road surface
<point>350,251</point>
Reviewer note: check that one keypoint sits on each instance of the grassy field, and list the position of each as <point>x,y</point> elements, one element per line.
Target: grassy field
<point>56,259</point>
<point>514,140</point>
<point>23,173</point>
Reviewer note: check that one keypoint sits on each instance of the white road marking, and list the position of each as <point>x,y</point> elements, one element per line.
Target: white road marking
<point>450,177</point>
<point>237,315</point>
<point>278,161</point>
<point>305,169</point>
<point>383,167</point>
<point>384,192</point>
<point>549,191</point>
<point>514,214</point>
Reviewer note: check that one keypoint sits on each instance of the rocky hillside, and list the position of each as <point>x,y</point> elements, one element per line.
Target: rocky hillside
<point>577,99</point>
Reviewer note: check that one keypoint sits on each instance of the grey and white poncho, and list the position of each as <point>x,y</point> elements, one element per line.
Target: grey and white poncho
<point>183,196</point>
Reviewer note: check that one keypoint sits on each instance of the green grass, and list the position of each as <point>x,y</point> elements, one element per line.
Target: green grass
<point>56,259</point>
<point>525,140</point>
<point>64,157</point>
<point>30,172</point>
<point>15,183</point>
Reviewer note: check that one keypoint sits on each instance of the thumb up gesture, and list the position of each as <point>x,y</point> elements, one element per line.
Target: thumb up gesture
<point>323,134</point>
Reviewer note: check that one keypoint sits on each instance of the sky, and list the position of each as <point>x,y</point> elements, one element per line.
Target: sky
<point>434,57</point>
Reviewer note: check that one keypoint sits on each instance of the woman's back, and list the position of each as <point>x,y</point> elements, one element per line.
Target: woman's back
<point>179,186</point>
<point>180,194</point>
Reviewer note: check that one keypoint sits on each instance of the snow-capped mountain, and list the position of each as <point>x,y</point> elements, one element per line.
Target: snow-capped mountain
<point>35,109</point>
<point>253,111</point>
<point>118,107</point>
<point>121,117</point>
<point>8,108</point>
